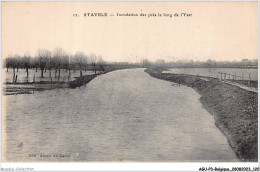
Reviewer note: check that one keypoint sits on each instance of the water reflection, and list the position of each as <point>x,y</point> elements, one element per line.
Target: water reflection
<point>124,115</point>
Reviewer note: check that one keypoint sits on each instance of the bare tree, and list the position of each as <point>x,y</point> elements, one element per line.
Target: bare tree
<point>66,62</point>
<point>35,63</point>
<point>80,59</point>
<point>58,55</point>
<point>43,59</point>
<point>72,63</point>
<point>26,63</point>
<point>146,63</point>
<point>160,62</point>
<point>101,63</point>
<point>8,63</point>
<point>50,65</point>
<point>93,59</point>
<point>85,63</point>
<point>13,63</point>
<point>18,62</point>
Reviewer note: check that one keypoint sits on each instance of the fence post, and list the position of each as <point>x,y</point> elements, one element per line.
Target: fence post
<point>33,78</point>
<point>249,82</point>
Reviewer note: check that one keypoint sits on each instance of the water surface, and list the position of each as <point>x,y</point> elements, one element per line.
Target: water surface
<point>241,73</point>
<point>124,115</point>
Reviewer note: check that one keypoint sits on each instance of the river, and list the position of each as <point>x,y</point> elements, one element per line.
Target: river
<point>124,115</point>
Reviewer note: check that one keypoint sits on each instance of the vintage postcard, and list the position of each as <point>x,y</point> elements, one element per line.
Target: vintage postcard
<point>129,82</point>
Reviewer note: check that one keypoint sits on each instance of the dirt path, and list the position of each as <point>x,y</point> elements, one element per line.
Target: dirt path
<point>242,86</point>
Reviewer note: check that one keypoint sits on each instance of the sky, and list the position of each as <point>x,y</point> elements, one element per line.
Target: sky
<point>222,31</point>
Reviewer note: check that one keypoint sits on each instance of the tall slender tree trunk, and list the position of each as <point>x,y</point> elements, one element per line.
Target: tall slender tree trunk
<point>59,72</point>
<point>14,75</point>
<point>27,72</point>
<point>42,69</point>
<point>50,72</point>
<point>55,73</point>
<point>80,71</point>
<point>14,72</point>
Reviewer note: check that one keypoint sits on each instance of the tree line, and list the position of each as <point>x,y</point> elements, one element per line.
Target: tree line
<point>55,60</point>
<point>244,63</point>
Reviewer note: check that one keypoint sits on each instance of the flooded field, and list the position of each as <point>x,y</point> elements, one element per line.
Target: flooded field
<point>241,73</point>
<point>124,115</point>
<point>22,75</point>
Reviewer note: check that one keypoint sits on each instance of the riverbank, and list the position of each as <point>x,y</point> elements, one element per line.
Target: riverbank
<point>235,110</point>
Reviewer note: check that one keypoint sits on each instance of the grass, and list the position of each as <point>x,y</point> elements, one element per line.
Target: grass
<point>247,83</point>
<point>235,110</point>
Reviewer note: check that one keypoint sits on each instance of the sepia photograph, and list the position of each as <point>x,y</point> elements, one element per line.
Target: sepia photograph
<point>129,82</point>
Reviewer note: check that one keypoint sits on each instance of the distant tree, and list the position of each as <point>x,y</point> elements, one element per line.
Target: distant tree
<point>146,63</point>
<point>101,63</point>
<point>35,63</point>
<point>209,63</point>
<point>93,59</point>
<point>80,59</point>
<point>72,62</point>
<point>18,62</point>
<point>58,55</point>
<point>50,65</point>
<point>8,63</point>
<point>26,63</point>
<point>85,63</point>
<point>66,62</point>
<point>160,62</point>
<point>43,58</point>
<point>12,63</point>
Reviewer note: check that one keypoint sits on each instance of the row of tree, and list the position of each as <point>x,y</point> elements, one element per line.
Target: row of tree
<point>244,63</point>
<point>55,60</point>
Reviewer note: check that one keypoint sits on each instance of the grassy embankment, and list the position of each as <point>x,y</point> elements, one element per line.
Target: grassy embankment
<point>235,110</point>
